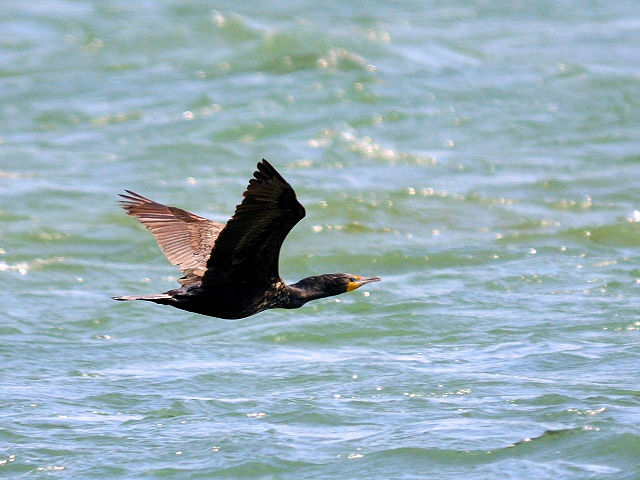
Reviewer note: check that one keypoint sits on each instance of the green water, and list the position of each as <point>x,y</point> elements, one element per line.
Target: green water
<point>483,158</point>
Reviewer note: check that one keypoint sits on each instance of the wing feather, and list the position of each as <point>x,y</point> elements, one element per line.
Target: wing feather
<point>186,239</point>
<point>248,248</point>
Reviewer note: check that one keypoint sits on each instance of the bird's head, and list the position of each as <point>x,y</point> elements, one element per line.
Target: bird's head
<point>356,281</point>
<point>331,284</point>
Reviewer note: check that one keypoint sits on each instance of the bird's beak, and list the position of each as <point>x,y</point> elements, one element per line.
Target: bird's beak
<point>361,281</point>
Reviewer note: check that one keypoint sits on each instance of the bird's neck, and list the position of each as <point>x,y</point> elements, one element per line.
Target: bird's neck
<point>303,292</point>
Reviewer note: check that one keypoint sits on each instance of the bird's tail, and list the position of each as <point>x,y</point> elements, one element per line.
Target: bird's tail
<point>157,298</point>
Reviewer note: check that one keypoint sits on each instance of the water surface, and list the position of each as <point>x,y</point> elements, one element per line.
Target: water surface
<point>482,158</point>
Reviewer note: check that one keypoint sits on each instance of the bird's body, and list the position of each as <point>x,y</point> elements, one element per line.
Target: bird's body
<point>231,271</point>
<point>230,301</point>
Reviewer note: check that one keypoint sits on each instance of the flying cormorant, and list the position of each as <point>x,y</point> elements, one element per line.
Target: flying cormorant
<point>231,271</point>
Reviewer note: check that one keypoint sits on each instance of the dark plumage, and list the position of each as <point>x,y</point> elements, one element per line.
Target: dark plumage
<point>231,271</point>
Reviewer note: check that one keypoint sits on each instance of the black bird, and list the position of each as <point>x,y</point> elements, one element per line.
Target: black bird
<point>231,271</point>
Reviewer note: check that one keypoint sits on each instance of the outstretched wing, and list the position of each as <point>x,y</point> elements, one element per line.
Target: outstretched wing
<point>248,248</point>
<point>185,239</point>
